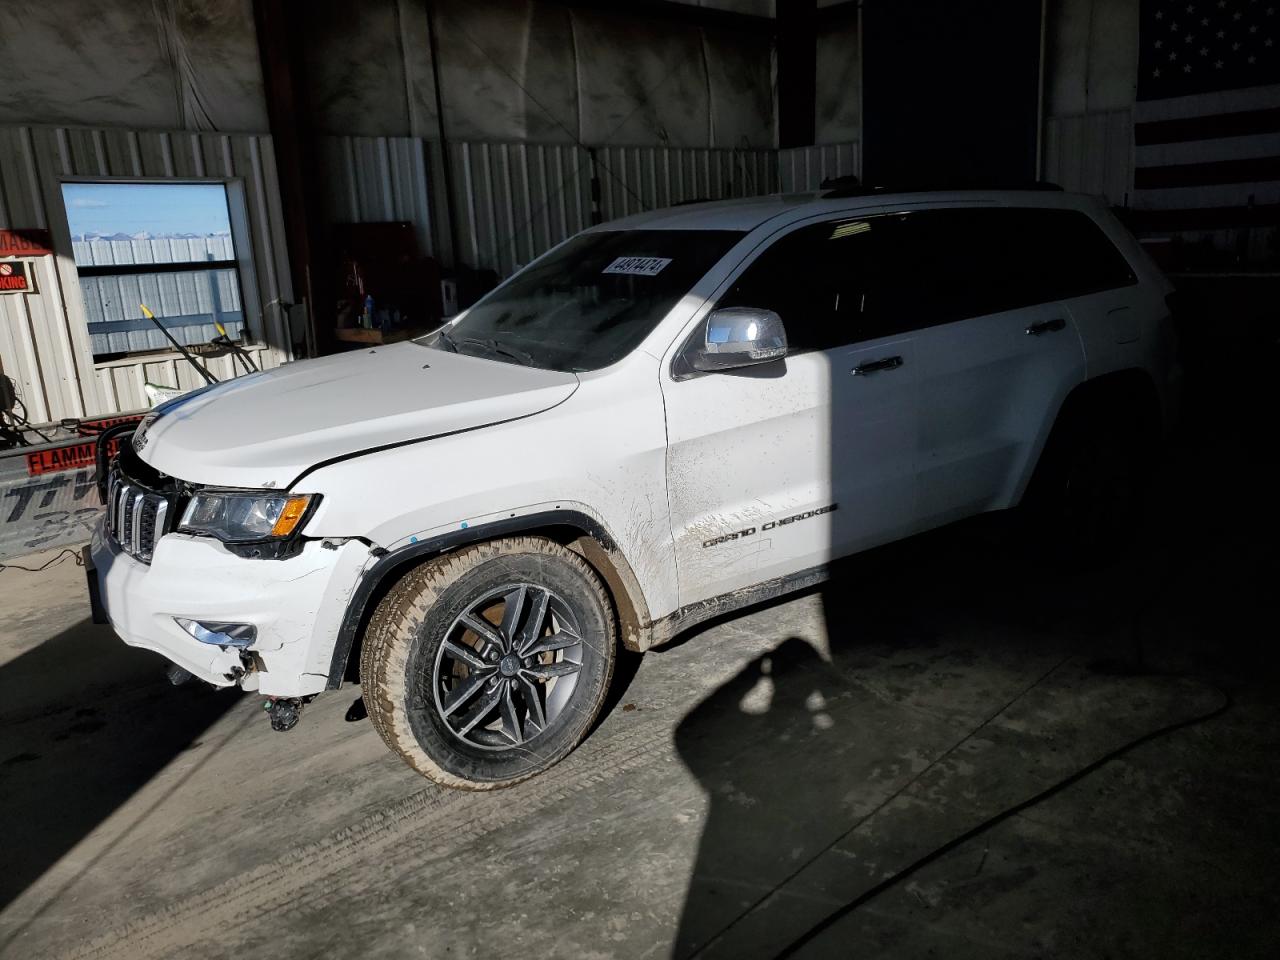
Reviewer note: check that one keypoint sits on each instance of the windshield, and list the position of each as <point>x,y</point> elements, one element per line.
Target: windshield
<point>591,301</point>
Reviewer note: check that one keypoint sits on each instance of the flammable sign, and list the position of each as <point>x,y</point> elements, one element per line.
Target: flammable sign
<point>14,277</point>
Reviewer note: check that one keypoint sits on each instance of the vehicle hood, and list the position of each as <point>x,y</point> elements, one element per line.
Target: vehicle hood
<point>265,429</point>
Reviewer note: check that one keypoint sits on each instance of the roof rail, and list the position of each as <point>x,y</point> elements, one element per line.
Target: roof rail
<point>850,186</point>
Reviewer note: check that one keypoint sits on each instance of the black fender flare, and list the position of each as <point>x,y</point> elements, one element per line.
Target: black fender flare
<point>1127,392</point>
<point>595,543</point>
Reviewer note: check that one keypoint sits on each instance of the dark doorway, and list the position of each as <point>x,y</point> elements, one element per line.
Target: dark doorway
<point>951,91</point>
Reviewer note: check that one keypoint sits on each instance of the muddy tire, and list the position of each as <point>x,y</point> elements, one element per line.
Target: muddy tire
<point>484,667</point>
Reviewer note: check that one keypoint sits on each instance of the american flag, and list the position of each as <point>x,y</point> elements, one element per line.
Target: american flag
<point>1207,120</point>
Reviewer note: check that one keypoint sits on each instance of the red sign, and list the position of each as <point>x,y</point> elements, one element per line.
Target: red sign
<point>73,455</point>
<point>87,428</point>
<point>27,242</point>
<point>66,458</point>
<point>13,277</point>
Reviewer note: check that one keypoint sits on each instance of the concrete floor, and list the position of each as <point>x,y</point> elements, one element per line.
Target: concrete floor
<point>752,780</point>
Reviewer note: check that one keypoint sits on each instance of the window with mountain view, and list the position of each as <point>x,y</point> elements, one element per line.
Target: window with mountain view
<point>168,246</point>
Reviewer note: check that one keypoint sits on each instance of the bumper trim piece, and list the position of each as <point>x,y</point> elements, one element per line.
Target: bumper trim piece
<point>294,607</point>
<point>97,610</point>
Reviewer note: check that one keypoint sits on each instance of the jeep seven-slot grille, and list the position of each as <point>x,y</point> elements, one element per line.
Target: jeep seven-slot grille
<point>137,517</point>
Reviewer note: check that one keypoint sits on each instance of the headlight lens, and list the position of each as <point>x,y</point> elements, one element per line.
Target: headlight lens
<point>239,517</point>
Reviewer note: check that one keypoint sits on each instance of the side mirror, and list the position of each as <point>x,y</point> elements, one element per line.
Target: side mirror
<point>739,337</point>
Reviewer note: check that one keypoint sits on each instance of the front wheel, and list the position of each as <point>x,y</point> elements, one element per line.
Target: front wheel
<point>486,666</point>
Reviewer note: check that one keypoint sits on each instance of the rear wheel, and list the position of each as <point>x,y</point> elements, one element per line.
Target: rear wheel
<point>1085,497</point>
<point>486,666</point>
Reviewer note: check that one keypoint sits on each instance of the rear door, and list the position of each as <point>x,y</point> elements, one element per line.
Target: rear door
<point>1113,312</point>
<point>778,468</point>
<point>998,351</point>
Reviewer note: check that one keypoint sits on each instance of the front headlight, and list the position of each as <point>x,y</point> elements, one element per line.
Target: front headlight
<point>245,517</point>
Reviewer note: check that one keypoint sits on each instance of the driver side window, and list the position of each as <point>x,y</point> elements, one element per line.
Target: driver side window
<point>818,279</point>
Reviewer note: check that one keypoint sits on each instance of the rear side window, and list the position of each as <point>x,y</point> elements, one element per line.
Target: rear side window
<point>953,264</point>
<point>850,280</point>
<point>1077,257</point>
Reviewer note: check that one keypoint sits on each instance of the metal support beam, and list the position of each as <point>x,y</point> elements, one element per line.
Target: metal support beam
<point>676,12</point>
<point>797,72</point>
<point>446,155</point>
<point>288,113</point>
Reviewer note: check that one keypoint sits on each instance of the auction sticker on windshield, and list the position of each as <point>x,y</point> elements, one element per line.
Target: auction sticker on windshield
<point>638,266</point>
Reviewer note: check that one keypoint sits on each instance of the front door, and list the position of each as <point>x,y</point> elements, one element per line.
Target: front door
<point>778,468</point>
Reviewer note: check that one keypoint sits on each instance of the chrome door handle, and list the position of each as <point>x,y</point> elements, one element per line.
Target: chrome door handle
<point>871,366</point>
<point>1046,326</point>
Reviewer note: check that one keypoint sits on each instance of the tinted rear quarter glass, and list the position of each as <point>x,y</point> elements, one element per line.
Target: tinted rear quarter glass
<point>1081,257</point>
<point>974,262</point>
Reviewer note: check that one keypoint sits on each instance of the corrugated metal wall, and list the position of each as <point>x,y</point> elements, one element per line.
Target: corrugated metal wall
<point>187,303</point>
<point>44,339</point>
<point>635,179</point>
<point>1091,153</point>
<point>379,178</point>
<point>513,201</point>
<point>804,168</point>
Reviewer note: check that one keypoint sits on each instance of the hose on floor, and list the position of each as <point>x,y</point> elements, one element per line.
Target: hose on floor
<point>896,878</point>
<point>893,880</point>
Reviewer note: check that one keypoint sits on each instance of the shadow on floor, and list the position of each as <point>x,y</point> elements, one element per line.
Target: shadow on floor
<point>794,751</point>
<point>94,722</point>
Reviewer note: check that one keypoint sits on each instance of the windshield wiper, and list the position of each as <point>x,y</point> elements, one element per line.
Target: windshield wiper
<point>519,356</point>
<point>488,344</point>
<point>493,346</point>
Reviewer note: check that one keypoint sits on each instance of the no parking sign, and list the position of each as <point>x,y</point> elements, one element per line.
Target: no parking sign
<point>13,277</point>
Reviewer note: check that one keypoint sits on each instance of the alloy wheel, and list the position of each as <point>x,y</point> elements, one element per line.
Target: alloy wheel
<point>507,667</point>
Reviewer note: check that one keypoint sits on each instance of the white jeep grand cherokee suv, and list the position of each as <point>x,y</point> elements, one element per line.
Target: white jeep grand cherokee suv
<point>662,419</point>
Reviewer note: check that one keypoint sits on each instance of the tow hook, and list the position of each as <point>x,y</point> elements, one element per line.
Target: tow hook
<point>285,711</point>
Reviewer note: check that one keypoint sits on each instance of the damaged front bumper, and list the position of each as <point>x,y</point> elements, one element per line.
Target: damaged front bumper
<point>296,605</point>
